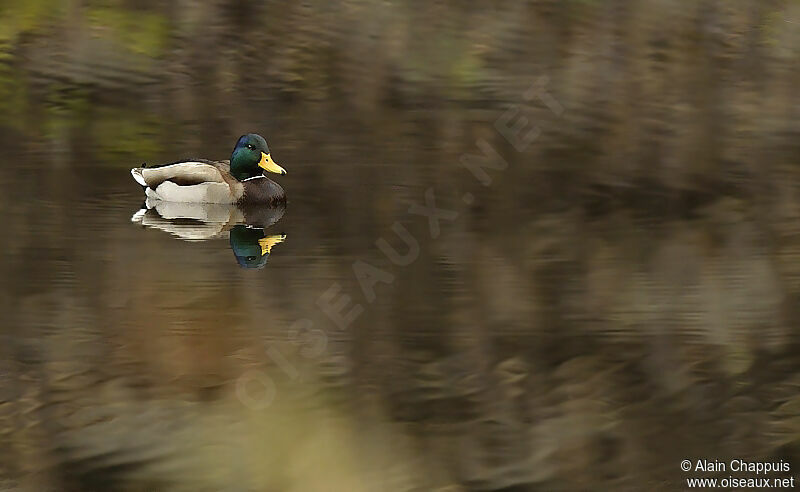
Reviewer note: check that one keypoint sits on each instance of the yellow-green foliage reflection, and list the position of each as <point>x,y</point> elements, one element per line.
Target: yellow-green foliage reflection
<point>17,18</point>
<point>126,132</point>
<point>141,32</point>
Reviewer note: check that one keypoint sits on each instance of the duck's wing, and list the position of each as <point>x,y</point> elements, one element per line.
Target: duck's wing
<point>194,181</point>
<point>182,173</point>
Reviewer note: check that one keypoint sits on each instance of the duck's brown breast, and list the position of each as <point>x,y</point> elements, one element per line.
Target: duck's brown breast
<point>262,190</point>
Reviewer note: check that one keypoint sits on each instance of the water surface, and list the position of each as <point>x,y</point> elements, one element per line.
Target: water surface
<point>620,297</point>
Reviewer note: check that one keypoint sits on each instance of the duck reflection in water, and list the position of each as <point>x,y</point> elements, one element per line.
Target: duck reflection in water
<point>252,246</point>
<point>244,226</point>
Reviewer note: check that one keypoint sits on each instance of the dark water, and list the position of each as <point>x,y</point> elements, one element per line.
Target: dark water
<point>613,296</point>
<point>521,347</point>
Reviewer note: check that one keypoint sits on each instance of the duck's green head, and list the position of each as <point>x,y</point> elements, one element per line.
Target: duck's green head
<point>251,158</point>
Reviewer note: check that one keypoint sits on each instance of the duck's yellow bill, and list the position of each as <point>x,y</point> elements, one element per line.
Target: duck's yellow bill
<point>268,242</point>
<point>268,164</point>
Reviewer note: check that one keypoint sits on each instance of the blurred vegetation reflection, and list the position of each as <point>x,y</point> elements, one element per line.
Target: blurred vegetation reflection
<point>623,296</point>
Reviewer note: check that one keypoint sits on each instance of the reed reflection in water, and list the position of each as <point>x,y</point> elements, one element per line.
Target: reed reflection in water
<point>552,352</point>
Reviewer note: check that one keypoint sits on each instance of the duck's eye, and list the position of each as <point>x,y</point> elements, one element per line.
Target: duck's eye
<point>251,146</point>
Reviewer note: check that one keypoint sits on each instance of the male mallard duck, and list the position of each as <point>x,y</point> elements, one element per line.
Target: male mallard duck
<point>240,180</point>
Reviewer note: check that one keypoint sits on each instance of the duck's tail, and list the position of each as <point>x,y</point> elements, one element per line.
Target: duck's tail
<point>136,172</point>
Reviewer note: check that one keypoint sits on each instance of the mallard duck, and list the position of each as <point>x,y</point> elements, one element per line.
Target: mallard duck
<point>239,180</point>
